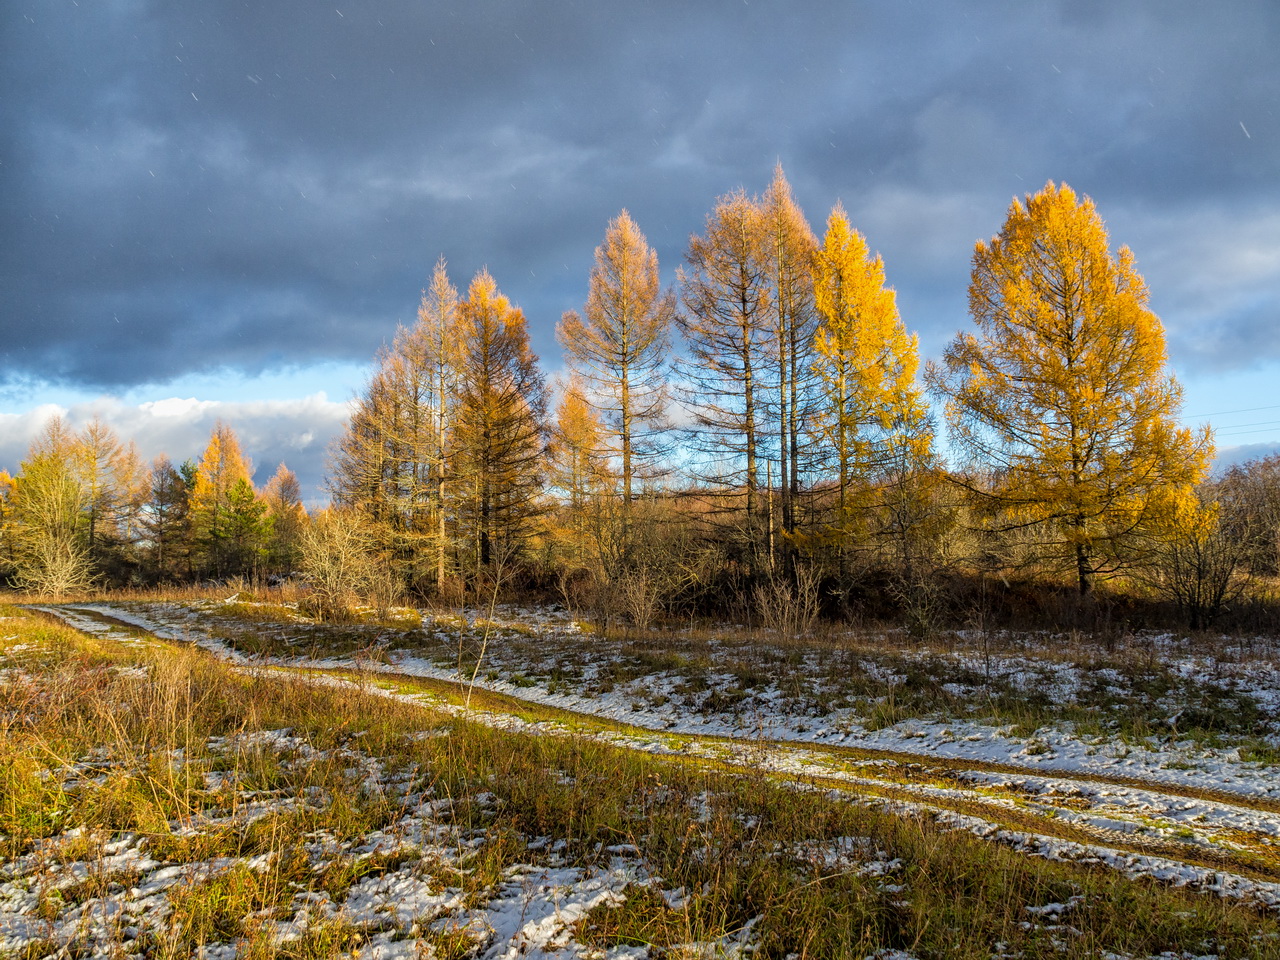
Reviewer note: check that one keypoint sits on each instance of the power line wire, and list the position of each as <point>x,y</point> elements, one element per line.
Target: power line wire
<point>1242,433</point>
<point>1240,426</point>
<point>1224,413</point>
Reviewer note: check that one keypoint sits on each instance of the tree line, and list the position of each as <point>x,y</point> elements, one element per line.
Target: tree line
<point>758,429</point>
<point>766,419</point>
<point>84,510</point>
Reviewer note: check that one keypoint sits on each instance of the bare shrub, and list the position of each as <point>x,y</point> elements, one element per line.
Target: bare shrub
<point>923,601</point>
<point>54,566</point>
<point>52,555</point>
<point>789,607</point>
<point>338,564</point>
<point>451,593</point>
<point>640,594</point>
<point>384,591</point>
<point>1200,564</point>
<point>588,593</point>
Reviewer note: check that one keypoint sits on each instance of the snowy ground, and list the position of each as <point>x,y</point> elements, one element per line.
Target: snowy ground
<point>104,894</point>
<point>1185,811</point>
<point>707,702</point>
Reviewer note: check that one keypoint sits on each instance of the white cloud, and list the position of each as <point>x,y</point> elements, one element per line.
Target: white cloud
<point>1228,457</point>
<point>295,431</point>
<point>175,407</point>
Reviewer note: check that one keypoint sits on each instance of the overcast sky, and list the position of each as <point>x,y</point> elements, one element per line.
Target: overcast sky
<point>223,209</point>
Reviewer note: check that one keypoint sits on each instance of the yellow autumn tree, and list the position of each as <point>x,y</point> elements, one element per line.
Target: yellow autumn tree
<point>789,250</point>
<point>620,349</point>
<point>871,419</point>
<point>499,443</point>
<point>222,476</point>
<point>393,463</point>
<point>437,343</point>
<point>7,527</point>
<point>1062,395</point>
<point>579,469</point>
<point>116,483</point>
<point>730,340</point>
<point>287,518</point>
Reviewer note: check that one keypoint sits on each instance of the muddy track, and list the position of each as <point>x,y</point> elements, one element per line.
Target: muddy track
<point>916,779</point>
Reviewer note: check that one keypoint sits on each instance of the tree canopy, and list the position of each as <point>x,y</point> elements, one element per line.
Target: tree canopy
<point>1062,395</point>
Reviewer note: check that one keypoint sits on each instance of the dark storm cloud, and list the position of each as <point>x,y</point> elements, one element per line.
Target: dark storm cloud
<point>255,185</point>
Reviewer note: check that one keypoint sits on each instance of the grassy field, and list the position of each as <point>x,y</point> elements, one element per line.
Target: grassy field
<point>1198,687</point>
<point>155,801</point>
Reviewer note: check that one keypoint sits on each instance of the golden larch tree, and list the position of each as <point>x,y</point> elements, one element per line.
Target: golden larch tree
<point>440,347</point>
<point>393,462</point>
<point>501,423</point>
<point>366,466</point>
<point>789,249</point>
<point>165,520</point>
<point>116,482</point>
<point>620,349</point>
<point>871,418</point>
<point>287,516</point>
<point>221,465</point>
<point>729,340</point>
<point>579,468</point>
<point>222,471</point>
<point>7,526</point>
<point>1062,394</point>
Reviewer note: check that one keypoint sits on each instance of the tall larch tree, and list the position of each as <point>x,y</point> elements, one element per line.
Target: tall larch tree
<point>393,462</point>
<point>729,339</point>
<point>620,349</point>
<point>166,520</point>
<point>116,483</point>
<point>440,345</point>
<point>373,469</point>
<point>282,497</point>
<point>220,469</point>
<point>1062,394</point>
<point>501,424</point>
<point>871,419</point>
<point>789,248</point>
<point>365,468</point>
<point>578,456</point>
